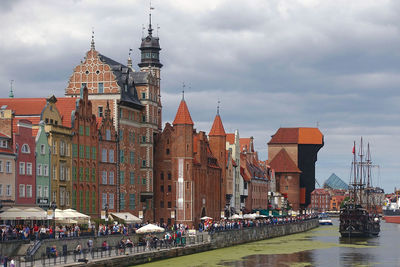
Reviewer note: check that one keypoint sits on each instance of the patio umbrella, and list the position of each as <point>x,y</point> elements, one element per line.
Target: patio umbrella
<point>235,217</point>
<point>150,228</point>
<point>249,216</point>
<point>205,218</point>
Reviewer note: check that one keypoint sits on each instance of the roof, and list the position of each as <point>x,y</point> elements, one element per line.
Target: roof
<point>230,138</point>
<point>183,115</point>
<point>334,182</point>
<point>123,76</point>
<point>320,191</point>
<point>283,163</point>
<point>140,77</point>
<point>297,136</point>
<point>217,128</point>
<point>66,106</point>
<point>24,106</point>
<point>245,143</point>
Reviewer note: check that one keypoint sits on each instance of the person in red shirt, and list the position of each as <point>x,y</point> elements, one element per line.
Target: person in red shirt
<point>36,231</point>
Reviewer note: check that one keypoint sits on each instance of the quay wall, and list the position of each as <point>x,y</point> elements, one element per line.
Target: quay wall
<point>215,241</point>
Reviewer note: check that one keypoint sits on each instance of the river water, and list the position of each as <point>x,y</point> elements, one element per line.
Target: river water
<point>322,246</point>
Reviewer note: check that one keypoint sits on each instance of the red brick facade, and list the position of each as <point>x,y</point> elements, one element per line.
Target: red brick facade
<point>25,178</point>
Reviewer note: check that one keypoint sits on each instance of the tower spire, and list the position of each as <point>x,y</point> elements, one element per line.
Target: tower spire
<point>218,107</point>
<point>129,58</point>
<point>92,43</point>
<point>150,28</point>
<point>11,95</point>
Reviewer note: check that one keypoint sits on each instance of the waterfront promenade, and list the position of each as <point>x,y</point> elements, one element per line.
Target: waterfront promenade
<point>163,249</point>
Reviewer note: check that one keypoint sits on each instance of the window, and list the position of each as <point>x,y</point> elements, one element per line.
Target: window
<point>131,178</point>
<point>111,155</point>
<point>122,201</point>
<point>62,172</point>
<point>121,133</point>
<point>83,85</point>
<point>62,148</point>
<point>144,163</point>
<point>111,201</point>
<point>21,190</point>
<point>73,173</point>
<point>73,198</point>
<point>104,177</point>
<point>28,168</point>
<point>74,150</point>
<point>111,177</point>
<point>121,156</point>
<point>8,190</point>
<point>132,157</point>
<point>104,155</point>
<point>144,180</point>
<point>162,176</point>
<point>121,114</point>
<point>1,166</point>
<point>45,170</point>
<point>67,173</point>
<point>8,167</point>
<point>169,204</point>
<point>3,143</point>
<point>169,176</point>
<point>29,191</point>
<point>25,149</point>
<point>54,147</point>
<point>22,168</point>
<point>1,190</point>
<point>39,169</point>
<point>143,95</point>
<point>108,134</point>
<point>81,130</point>
<point>81,200</point>
<point>100,88</point>
<point>122,177</point>
<point>167,151</point>
<point>67,198</point>
<point>81,151</point>
<point>162,188</point>
<point>103,200</point>
<point>87,198</point>
<point>143,139</point>
<point>87,131</point>
<point>81,173</point>
<point>94,153</point>
<point>169,188</point>
<point>67,150</point>
<point>132,203</point>
<point>161,204</point>
<point>87,152</point>
<point>42,149</point>
<point>46,191</point>
<point>87,173</point>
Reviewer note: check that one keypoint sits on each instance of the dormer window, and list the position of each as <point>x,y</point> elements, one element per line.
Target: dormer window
<point>3,143</point>
<point>143,95</point>
<point>25,149</point>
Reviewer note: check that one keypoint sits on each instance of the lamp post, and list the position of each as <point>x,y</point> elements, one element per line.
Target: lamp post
<point>106,209</point>
<point>54,207</point>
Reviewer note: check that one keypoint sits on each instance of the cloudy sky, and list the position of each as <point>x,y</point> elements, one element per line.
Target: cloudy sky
<point>276,63</point>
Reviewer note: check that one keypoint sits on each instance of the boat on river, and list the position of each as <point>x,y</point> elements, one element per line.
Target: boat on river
<point>358,217</point>
<point>391,210</point>
<point>324,219</point>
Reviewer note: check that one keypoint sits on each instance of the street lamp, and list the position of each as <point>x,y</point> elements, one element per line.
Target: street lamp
<point>54,207</point>
<point>106,209</point>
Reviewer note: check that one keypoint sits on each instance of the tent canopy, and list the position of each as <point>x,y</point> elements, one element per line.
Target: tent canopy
<point>235,217</point>
<point>150,228</point>
<point>205,218</point>
<point>24,213</point>
<point>127,217</point>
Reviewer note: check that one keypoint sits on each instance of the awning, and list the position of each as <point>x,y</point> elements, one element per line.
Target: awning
<point>23,213</point>
<point>150,228</point>
<point>127,217</point>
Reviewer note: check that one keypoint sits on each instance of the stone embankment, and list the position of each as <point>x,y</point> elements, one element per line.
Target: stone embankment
<point>215,240</point>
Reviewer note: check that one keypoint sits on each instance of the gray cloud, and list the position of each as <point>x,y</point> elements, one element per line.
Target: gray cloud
<point>271,63</point>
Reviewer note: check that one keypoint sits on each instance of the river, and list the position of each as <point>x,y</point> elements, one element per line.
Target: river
<point>322,246</point>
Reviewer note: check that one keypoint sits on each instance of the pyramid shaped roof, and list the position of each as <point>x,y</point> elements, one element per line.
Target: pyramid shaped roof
<point>283,163</point>
<point>183,115</point>
<point>217,128</point>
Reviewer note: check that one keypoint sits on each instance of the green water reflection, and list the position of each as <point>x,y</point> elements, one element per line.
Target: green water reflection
<point>312,248</point>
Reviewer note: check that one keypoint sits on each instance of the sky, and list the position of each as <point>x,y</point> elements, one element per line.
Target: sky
<point>334,64</point>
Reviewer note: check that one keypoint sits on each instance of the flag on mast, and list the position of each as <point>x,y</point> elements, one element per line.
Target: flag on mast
<point>354,148</point>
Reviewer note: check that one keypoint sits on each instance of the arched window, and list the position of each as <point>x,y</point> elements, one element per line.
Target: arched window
<point>25,149</point>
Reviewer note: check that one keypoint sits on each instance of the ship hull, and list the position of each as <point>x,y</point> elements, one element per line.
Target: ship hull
<point>391,216</point>
<point>357,222</point>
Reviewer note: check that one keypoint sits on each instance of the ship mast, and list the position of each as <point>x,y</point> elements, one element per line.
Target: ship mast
<point>354,175</point>
<point>361,166</point>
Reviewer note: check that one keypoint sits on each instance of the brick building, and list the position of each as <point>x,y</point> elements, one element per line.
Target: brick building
<point>301,145</point>
<point>188,180</point>
<point>320,200</point>
<point>25,178</point>
<point>85,143</point>
<point>108,145</point>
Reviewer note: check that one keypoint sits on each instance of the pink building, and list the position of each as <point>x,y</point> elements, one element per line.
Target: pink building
<point>25,178</point>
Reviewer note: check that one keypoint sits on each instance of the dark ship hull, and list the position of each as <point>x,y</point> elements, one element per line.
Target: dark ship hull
<point>358,222</point>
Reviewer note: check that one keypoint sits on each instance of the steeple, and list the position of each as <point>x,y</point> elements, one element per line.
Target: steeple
<point>217,128</point>
<point>129,59</point>
<point>92,42</point>
<point>183,115</point>
<point>11,95</point>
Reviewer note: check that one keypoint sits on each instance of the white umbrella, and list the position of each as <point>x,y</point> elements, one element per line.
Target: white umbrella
<point>205,218</point>
<point>249,216</point>
<point>150,228</point>
<point>235,217</point>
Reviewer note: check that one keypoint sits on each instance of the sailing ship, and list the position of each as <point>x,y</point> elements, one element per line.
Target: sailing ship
<point>358,217</point>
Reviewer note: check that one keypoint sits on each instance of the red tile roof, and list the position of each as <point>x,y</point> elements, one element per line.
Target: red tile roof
<point>297,136</point>
<point>283,163</point>
<point>217,128</point>
<point>183,115</point>
<point>244,143</point>
<point>24,106</point>
<point>4,135</point>
<point>6,151</point>
<point>65,106</point>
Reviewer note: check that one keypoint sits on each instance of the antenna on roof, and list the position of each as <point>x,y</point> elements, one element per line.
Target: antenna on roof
<point>150,29</point>
<point>183,90</point>
<point>218,107</point>
<point>92,43</point>
<point>11,95</point>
